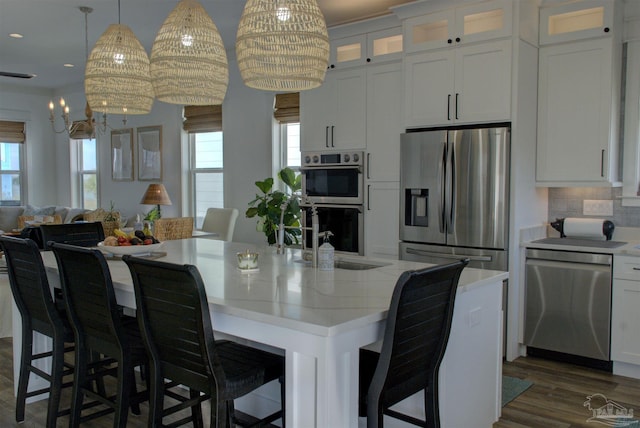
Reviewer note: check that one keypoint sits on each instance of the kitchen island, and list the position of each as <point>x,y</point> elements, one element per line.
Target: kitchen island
<point>319,320</point>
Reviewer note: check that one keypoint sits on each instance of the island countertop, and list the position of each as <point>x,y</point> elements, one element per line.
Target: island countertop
<point>286,291</point>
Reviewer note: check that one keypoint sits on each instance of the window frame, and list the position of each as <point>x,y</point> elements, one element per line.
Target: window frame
<point>22,173</point>
<point>79,172</point>
<point>194,171</point>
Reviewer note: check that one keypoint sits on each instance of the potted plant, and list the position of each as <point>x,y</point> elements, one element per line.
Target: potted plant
<point>271,205</point>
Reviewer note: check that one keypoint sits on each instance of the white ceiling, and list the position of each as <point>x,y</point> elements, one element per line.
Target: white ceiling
<point>54,30</point>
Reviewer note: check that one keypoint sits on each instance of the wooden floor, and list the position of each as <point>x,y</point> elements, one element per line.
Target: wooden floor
<point>555,399</point>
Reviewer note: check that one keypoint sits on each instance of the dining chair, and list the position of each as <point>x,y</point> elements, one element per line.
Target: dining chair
<point>99,329</point>
<point>168,228</point>
<point>221,221</point>
<point>33,298</point>
<point>81,234</point>
<point>177,330</point>
<point>413,346</point>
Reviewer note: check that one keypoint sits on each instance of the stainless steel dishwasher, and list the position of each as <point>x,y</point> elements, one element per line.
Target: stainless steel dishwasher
<point>568,305</point>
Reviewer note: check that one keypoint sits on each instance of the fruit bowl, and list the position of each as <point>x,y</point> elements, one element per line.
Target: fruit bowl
<point>130,249</point>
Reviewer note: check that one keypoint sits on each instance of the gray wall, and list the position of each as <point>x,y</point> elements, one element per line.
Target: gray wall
<point>568,202</point>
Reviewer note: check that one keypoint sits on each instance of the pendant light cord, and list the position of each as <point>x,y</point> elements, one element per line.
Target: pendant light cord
<point>118,12</point>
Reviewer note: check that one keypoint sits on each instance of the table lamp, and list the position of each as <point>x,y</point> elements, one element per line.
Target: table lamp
<point>157,195</point>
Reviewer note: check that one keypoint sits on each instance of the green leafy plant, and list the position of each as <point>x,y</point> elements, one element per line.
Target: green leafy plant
<point>153,214</point>
<point>268,208</point>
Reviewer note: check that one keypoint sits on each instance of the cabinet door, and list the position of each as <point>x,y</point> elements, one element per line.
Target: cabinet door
<point>381,219</point>
<point>576,21</point>
<point>482,82</point>
<point>384,122</point>
<point>625,319</point>
<point>429,88</point>
<point>430,31</point>
<point>350,123</point>
<point>574,112</point>
<point>317,115</point>
<point>348,52</point>
<point>483,21</point>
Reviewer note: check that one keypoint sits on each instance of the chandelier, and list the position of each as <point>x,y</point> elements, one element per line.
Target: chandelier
<point>282,45</point>
<point>188,60</point>
<point>78,128</point>
<point>117,78</point>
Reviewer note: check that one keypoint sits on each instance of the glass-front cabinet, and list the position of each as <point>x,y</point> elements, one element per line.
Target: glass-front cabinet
<point>467,24</point>
<point>374,47</point>
<point>576,21</point>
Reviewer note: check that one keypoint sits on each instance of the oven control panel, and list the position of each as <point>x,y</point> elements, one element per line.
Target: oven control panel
<point>323,159</point>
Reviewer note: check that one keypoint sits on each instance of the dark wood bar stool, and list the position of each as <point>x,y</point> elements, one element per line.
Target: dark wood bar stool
<point>99,328</point>
<point>177,330</point>
<point>81,234</point>
<point>415,339</point>
<point>32,294</point>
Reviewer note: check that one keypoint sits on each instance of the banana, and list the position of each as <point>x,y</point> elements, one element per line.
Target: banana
<point>119,233</point>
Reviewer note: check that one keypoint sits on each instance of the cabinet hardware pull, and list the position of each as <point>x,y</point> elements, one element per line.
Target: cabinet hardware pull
<point>368,197</point>
<point>449,107</point>
<point>326,136</point>
<point>449,41</point>
<point>418,252</point>
<point>602,164</point>
<point>332,128</point>
<point>457,105</point>
<point>635,268</point>
<point>457,39</point>
<point>606,29</point>
<point>368,165</point>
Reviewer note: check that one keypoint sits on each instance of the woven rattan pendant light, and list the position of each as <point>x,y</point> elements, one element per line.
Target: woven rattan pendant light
<point>117,78</point>
<point>282,45</point>
<point>188,59</point>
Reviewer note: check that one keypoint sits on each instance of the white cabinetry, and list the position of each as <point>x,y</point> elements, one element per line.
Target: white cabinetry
<point>576,21</point>
<point>469,84</point>
<point>467,24</point>
<point>374,47</point>
<point>333,116</point>
<point>578,101</point>
<point>384,122</point>
<point>381,219</point>
<point>625,319</point>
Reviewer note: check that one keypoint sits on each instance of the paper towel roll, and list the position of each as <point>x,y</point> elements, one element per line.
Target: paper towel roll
<point>583,228</point>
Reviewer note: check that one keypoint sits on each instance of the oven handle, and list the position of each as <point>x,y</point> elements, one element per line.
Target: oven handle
<point>449,256</point>
<point>357,207</point>
<point>311,168</point>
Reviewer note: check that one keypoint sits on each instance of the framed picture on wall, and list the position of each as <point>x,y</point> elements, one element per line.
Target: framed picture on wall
<point>122,154</point>
<point>150,153</point>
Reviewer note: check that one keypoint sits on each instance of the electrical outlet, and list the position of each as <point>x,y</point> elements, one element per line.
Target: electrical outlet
<point>597,207</point>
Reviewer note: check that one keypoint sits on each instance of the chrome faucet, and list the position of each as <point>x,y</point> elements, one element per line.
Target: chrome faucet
<point>315,227</point>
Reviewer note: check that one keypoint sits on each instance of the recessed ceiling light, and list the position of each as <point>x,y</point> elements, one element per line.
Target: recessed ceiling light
<point>69,65</point>
<point>16,35</point>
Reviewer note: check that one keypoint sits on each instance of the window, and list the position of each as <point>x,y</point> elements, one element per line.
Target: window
<point>11,173</point>
<point>12,138</point>
<point>207,173</point>
<point>87,176</point>
<point>290,145</point>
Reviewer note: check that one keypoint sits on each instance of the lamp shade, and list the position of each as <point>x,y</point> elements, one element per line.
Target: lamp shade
<point>188,59</point>
<point>282,45</point>
<point>156,194</point>
<point>117,78</point>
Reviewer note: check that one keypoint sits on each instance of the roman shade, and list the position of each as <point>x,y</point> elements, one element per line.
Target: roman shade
<point>82,129</point>
<point>202,118</point>
<point>11,132</point>
<point>287,107</point>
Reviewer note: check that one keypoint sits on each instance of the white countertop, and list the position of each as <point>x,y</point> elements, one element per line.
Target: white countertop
<point>287,293</point>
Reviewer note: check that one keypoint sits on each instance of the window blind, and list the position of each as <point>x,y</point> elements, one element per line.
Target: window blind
<point>11,132</point>
<point>202,118</point>
<point>287,107</point>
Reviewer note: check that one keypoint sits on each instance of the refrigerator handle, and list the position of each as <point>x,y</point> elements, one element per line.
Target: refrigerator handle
<point>452,188</point>
<point>442,178</point>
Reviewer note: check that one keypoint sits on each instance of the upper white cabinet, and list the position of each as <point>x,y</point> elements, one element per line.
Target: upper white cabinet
<point>467,24</point>
<point>374,47</point>
<point>384,122</point>
<point>468,84</point>
<point>576,21</point>
<point>333,116</point>
<point>578,111</point>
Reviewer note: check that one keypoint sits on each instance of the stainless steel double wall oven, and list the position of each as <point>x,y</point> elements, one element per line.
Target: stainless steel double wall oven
<point>334,182</point>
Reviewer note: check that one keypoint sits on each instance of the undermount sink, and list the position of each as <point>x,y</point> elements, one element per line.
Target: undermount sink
<point>351,264</point>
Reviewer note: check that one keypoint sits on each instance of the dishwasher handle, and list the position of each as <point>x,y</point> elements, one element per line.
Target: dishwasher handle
<point>449,256</point>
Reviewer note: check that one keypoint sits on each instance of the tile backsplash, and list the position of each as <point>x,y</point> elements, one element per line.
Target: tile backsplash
<point>568,202</point>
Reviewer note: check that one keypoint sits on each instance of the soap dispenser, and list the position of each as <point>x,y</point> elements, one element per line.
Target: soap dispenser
<point>326,253</point>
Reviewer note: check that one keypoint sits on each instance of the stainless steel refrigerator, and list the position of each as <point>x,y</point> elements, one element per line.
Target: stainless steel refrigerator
<point>455,195</point>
